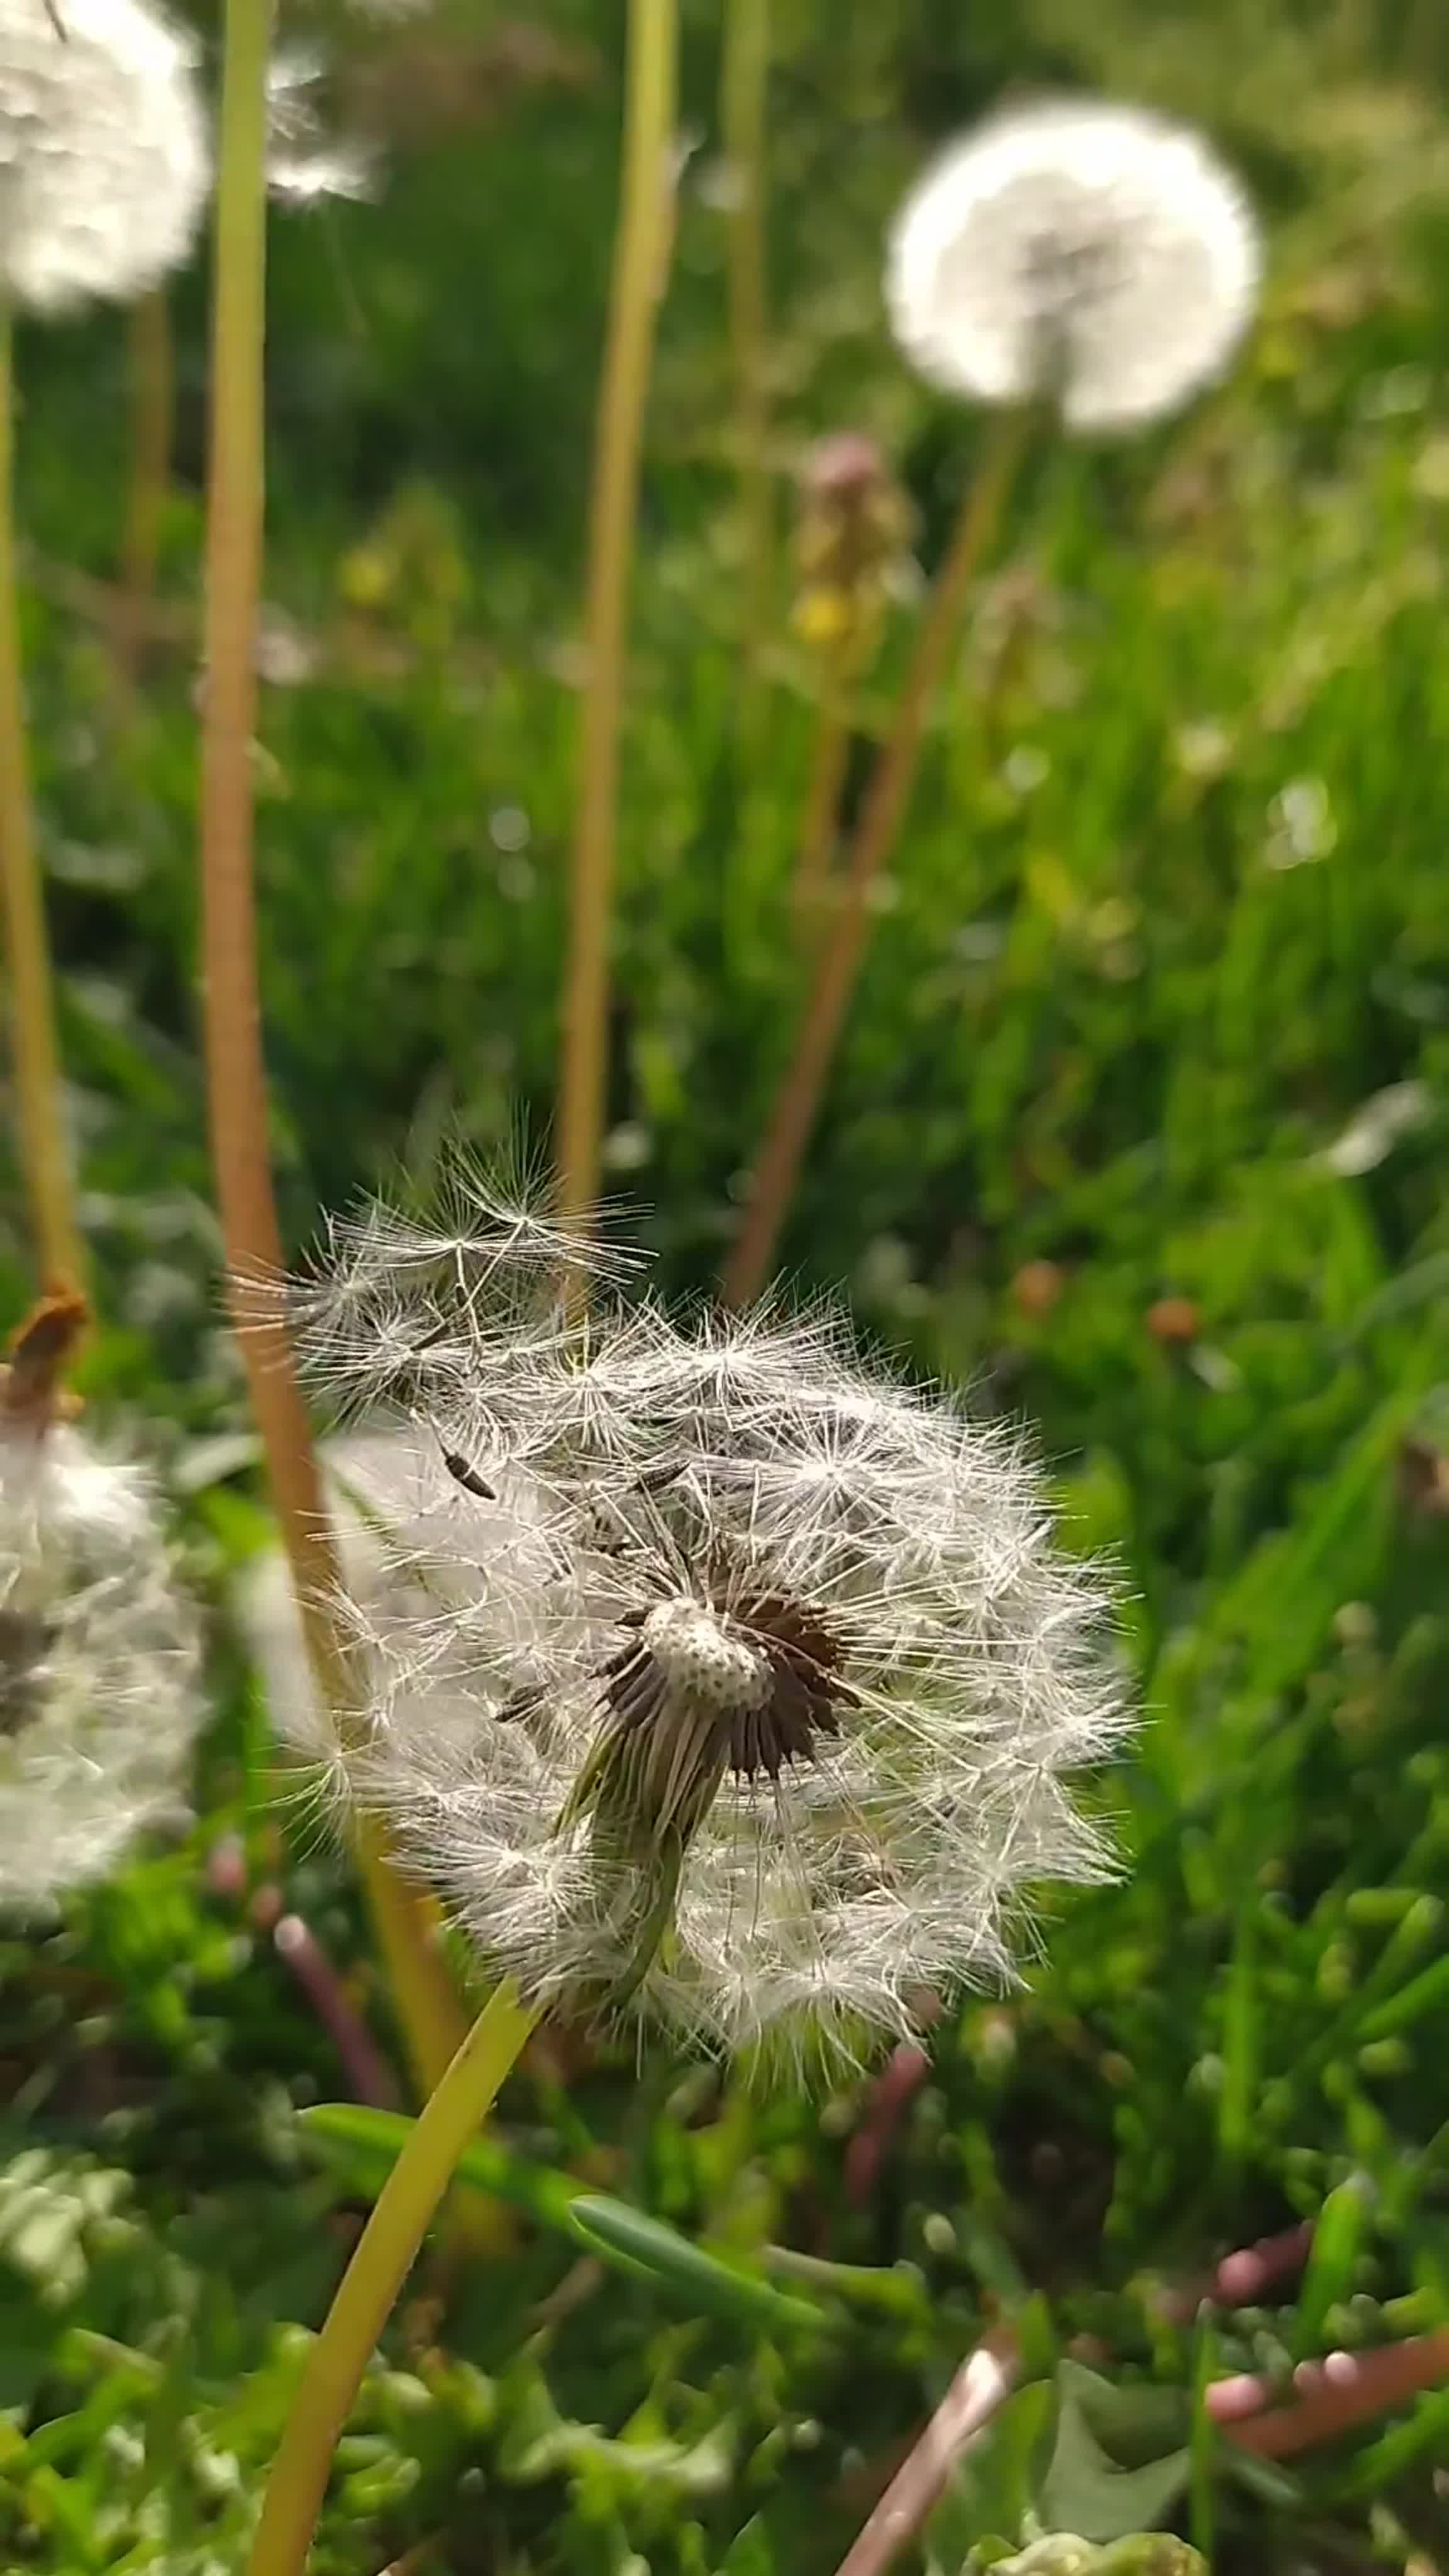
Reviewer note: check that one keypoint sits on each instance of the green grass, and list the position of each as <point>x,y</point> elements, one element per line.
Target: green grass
<point>1101,1026</point>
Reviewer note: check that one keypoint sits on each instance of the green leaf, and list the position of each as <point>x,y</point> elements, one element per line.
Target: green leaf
<point>995,2485</point>
<point>365,2144</point>
<point>1329,2275</point>
<point>749,2553</point>
<point>1099,2483</point>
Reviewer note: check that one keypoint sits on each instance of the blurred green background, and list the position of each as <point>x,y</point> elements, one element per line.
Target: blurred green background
<point>1139,1129</point>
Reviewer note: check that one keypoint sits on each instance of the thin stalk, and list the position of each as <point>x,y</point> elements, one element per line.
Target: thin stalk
<point>152,374</point>
<point>384,2256</point>
<point>641,251</point>
<point>423,1996</point>
<point>821,827</point>
<point>1365,2386</point>
<point>829,762</point>
<point>798,1099</point>
<point>981,2386</point>
<point>44,1153</point>
<point>744,86</point>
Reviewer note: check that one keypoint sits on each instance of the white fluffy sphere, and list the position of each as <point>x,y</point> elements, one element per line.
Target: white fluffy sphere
<point>104,162</point>
<point>99,1653</point>
<point>1076,250</point>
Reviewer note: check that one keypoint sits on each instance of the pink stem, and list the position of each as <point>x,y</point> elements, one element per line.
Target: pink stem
<point>1241,2277</point>
<point>982,2384</point>
<point>902,2075</point>
<point>1341,2392</point>
<point>370,2080</point>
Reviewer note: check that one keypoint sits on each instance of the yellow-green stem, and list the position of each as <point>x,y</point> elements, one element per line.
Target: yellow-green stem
<point>35,1059</point>
<point>743,93</point>
<point>152,395</point>
<point>384,2256</point>
<point>426,2004</point>
<point>798,1099</point>
<point>641,252</point>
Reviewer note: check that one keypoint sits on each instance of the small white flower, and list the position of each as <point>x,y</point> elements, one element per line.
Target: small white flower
<point>719,1679</point>
<point>104,164</point>
<point>98,1662</point>
<point>1076,250</point>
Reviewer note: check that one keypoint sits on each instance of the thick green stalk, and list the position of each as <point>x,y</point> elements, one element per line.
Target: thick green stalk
<point>426,2004</point>
<point>43,1149</point>
<point>641,253</point>
<point>384,2256</point>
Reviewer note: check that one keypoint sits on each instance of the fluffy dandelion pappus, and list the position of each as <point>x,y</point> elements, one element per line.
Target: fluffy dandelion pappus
<point>98,1648</point>
<point>104,163</point>
<point>1077,251</point>
<point>744,1697</point>
<point>304,163</point>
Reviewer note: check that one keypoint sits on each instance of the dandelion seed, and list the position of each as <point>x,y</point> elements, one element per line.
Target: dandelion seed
<point>98,1647</point>
<point>104,163</point>
<point>745,1696</point>
<point>1086,253</point>
<point>305,164</point>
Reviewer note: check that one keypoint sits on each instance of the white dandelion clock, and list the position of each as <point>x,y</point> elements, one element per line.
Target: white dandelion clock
<point>394,1499</point>
<point>1075,251</point>
<point>104,162</point>
<point>741,1693</point>
<point>99,1654</point>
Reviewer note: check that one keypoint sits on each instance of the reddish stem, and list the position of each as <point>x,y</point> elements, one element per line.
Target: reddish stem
<point>982,2384</point>
<point>903,2075</point>
<point>1341,2392</point>
<point>369,2079</point>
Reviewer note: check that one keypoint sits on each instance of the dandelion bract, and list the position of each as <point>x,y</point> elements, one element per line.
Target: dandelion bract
<point>1079,251</point>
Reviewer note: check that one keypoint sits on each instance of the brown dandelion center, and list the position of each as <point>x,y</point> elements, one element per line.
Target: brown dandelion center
<point>760,1680</point>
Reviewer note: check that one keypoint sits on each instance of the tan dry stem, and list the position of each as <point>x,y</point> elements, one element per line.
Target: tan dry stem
<point>798,1099</point>
<point>641,255</point>
<point>44,1149</point>
<point>236,1083</point>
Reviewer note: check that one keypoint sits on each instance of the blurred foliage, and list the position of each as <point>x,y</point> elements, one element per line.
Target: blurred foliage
<point>1140,1127</point>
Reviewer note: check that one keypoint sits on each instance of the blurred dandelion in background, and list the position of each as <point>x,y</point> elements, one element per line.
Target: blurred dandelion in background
<point>1076,251</point>
<point>305,163</point>
<point>716,1677</point>
<point>104,168</point>
<point>104,161</point>
<point>99,1646</point>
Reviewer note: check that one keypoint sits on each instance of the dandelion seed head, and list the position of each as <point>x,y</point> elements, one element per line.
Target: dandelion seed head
<point>104,162</point>
<point>99,1653</point>
<point>1079,251</point>
<point>744,1696</point>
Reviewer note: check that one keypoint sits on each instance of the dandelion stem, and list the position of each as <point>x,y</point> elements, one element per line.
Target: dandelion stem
<point>1370,2384</point>
<point>236,1083</point>
<point>152,391</point>
<point>830,759</point>
<point>798,1099</point>
<point>743,92</point>
<point>405,2207</point>
<point>44,1153</point>
<point>641,252</point>
<point>982,2384</point>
